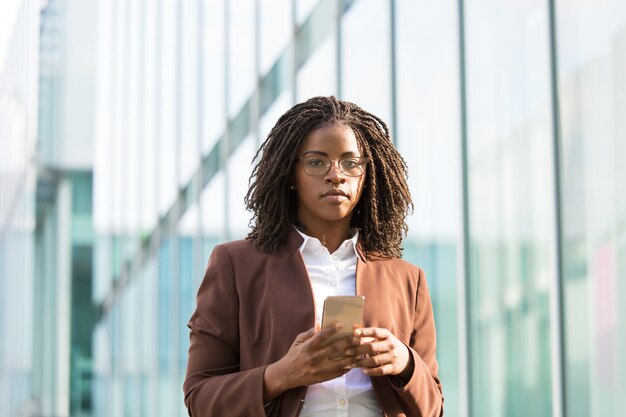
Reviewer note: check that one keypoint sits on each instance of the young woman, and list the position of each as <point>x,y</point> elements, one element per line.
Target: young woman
<point>329,197</point>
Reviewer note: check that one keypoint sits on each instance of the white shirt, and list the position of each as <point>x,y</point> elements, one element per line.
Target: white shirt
<point>350,394</point>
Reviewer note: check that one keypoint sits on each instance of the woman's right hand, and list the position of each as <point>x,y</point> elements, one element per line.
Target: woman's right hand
<point>308,362</point>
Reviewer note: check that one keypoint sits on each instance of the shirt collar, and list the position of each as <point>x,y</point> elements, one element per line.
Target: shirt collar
<point>351,243</point>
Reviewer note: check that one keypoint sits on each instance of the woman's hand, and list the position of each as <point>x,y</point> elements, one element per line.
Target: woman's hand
<point>308,362</point>
<point>383,353</point>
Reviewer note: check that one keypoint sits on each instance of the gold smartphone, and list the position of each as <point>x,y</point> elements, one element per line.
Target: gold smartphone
<point>344,309</point>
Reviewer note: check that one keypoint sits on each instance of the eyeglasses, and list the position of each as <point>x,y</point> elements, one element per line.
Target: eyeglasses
<point>353,166</point>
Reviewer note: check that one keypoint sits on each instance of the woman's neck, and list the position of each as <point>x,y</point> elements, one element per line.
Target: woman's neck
<point>331,237</point>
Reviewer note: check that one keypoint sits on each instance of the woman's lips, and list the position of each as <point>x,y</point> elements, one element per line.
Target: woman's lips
<point>335,198</point>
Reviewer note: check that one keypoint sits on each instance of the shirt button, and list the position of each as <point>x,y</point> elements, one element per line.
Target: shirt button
<point>342,402</point>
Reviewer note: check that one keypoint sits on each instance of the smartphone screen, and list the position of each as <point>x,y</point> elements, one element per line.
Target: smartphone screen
<point>345,309</point>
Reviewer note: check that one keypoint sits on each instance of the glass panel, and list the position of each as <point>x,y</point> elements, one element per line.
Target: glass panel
<point>304,9</point>
<point>511,207</point>
<point>366,43</point>
<point>213,216</point>
<point>276,30</point>
<point>318,75</point>
<point>149,337</point>
<point>116,199</point>
<point>188,241</point>
<point>591,43</point>
<point>166,383</point>
<point>149,141</point>
<point>428,134</point>
<point>83,320</point>
<point>213,78</point>
<point>101,370</point>
<point>116,392</point>
<point>129,360</point>
<point>103,268</point>
<point>168,137</point>
<point>189,82</point>
<point>239,168</point>
<point>131,161</point>
<point>271,116</point>
<point>241,70</point>
<point>188,229</point>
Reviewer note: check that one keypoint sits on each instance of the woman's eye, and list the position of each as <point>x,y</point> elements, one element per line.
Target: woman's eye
<point>350,163</point>
<point>315,163</point>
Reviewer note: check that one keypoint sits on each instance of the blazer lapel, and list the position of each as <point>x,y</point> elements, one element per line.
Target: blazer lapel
<point>295,308</point>
<point>363,284</point>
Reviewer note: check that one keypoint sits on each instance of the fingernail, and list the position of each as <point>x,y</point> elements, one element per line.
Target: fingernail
<point>348,352</point>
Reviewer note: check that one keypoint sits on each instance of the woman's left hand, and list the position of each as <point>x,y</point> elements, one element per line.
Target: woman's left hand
<point>383,353</point>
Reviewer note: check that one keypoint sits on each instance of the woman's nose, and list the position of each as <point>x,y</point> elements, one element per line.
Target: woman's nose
<point>335,174</point>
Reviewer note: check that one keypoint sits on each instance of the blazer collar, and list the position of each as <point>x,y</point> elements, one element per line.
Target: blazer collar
<point>293,240</point>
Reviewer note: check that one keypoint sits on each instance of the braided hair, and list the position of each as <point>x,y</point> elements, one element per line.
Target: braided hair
<point>385,201</point>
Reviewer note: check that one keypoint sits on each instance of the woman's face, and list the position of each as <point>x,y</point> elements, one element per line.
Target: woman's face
<point>327,200</point>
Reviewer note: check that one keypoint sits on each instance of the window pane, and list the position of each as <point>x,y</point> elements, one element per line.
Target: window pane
<point>149,143</point>
<point>318,75</point>
<point>188,266</point>
<point>213,73</point>
<point>239,168</point>
<point>276,30</point>
<point>428,134</point>
<point>189,140</point>
<point>149,290</point>
<point>241,70</point>
<point>213,217</point>
<point>366,44</point>
<point>510,207</point>
<point>165,314</point>
<point>167,132</point>
<point>592,86</point>
<point>304,9</point>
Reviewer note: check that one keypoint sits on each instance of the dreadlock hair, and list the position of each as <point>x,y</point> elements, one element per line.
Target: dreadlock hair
<point>385,200</point>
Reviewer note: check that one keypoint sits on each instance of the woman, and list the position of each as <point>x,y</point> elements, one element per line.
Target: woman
<point>329,197</point>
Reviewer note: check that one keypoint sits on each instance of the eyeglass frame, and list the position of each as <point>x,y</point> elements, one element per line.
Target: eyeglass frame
<point>363,161</point>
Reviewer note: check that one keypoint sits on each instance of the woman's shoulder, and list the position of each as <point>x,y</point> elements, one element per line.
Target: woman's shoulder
<point>396,264</point>
<point>248,247</point>
<point>238,247</point>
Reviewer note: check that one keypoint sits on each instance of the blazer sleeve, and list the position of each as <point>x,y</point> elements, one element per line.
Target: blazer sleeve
<point>214,384</point>
<point>422,394</point>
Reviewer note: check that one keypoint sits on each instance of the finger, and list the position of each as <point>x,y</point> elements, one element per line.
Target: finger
<point>338,348</point>
<point>375,348</point>
<point>342,343</point>
<point>324,334</point>
<point>379,371</point>
<point>376,332</point>
<point>343,363</point>
<point>333,350</point>
<point>378,360</point>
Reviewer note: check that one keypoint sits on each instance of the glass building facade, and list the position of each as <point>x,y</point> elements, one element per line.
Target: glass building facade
<point>130,129</point>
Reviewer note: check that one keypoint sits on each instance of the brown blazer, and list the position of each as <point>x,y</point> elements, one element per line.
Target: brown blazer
<point>251,306</point>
